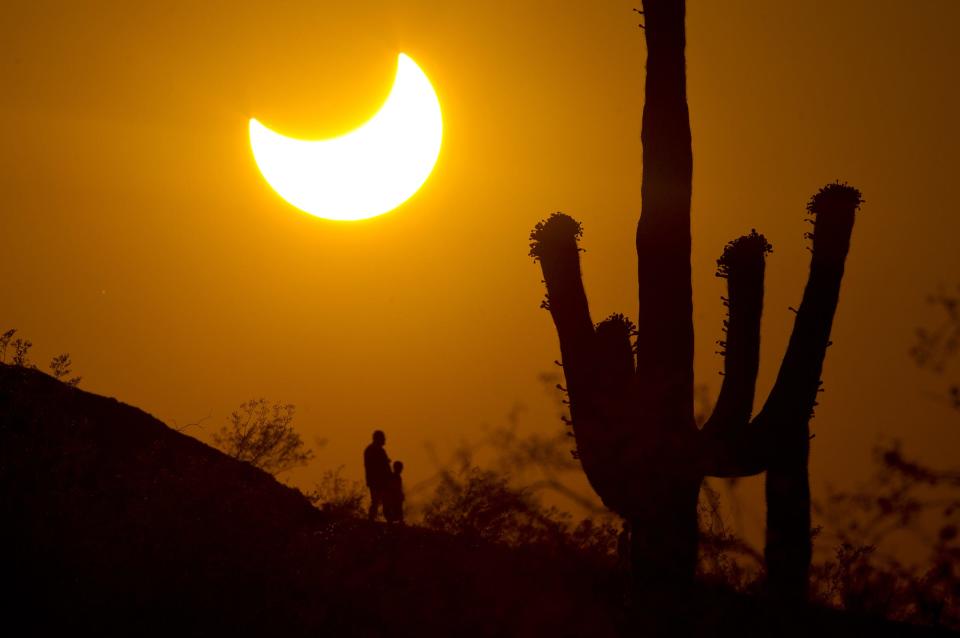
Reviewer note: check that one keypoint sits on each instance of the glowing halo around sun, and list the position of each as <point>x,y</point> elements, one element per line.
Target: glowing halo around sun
<point>370,170</point>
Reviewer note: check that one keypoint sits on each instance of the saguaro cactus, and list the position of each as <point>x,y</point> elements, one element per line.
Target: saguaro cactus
<point>631,404</point>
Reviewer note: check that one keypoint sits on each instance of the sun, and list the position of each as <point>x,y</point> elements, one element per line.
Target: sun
<point>368,171</point>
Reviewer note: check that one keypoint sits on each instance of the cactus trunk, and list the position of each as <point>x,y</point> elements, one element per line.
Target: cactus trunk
<point>664,508</point>
<point>664,536</point>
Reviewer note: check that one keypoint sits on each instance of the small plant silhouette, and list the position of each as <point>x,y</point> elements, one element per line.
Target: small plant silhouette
<point>5,339</point>
<point>60,366</point>
<point>21,349</point>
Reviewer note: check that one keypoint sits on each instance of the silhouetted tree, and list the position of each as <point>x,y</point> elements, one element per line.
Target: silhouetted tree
<point>261,434</point>
<point>632,404</point>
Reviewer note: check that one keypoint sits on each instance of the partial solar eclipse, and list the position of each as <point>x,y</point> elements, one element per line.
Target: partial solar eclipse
<point>368,171</point>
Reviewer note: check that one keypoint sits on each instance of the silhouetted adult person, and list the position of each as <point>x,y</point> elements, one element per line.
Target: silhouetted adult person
<point>376,467</point>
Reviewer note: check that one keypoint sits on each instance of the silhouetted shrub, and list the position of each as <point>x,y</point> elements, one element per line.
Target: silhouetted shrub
<point>482,504</point>
<point>59,365</point>
<point>338,496</point>
<point>856,580</point>
<point>903,497</point>
<point>261,434</point>
<point>724,558</point>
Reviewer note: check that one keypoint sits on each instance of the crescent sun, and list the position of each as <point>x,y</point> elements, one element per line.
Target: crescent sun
<point>370,170</point>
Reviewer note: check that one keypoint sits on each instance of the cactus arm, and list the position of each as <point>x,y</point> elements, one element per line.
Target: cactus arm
<point>785,417</point>
<point>553,243</point>
<point>794,393</point>
<point>615,352</point>
<point>665,319</point>
<point>608,452</point>
<point>731,447</point>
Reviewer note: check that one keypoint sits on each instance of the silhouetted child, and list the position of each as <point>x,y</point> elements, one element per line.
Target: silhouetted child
<point>393,498</point>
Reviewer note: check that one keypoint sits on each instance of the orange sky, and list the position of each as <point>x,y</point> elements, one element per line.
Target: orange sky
<point>139,236</point>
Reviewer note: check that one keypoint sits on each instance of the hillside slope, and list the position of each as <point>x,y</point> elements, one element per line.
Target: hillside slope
<point>111,522</point>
